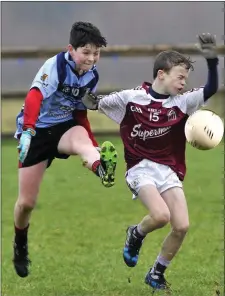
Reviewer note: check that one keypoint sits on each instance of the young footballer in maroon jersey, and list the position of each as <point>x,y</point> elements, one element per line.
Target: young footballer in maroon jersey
<point>152,120</point>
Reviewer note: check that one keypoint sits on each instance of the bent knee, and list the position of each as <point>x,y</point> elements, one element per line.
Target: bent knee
<point>78,132</point>
<point>75,141</point>
<point>161,218</point>
<point>181,230</point>
<point>26,205</point>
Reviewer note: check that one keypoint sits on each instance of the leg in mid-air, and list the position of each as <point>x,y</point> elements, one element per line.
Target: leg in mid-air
<point>29,182</point>
<point>158,217</point>
<point>76,141</point>
<point>176,202</point>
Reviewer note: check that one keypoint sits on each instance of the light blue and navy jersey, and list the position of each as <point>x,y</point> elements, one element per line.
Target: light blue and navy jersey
<point>62,89</point>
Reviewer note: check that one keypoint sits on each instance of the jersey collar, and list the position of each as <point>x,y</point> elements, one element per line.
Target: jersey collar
<point>148,87</point>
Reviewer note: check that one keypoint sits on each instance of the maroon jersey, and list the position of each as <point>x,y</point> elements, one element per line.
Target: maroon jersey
<point>152,125</point>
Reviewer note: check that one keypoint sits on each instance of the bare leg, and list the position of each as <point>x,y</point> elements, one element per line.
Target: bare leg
<point>29,183</point>
<point>159,214</point>
<point>158,217</point>
<point>77,142</point>
<point>176,202</point>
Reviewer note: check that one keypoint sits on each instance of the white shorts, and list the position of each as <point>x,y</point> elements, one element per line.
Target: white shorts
<point>149,172</point>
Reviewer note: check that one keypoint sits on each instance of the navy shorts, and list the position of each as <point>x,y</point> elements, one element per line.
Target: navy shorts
<point>44,144</point>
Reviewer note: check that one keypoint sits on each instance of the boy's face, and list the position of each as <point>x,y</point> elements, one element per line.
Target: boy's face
<point>84,57</point>
<point>175,80</point>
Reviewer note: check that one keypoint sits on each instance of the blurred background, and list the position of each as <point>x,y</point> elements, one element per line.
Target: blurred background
<point>47,25</point>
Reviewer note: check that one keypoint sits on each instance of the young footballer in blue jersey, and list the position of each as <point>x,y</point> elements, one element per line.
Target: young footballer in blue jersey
<point>53,124</point>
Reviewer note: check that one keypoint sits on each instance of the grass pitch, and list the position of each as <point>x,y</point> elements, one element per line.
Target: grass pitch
<point>78,230</point>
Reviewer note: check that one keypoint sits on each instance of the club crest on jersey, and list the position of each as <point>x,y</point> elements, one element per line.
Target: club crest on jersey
<point>171,114</point>
<point>44,77</point>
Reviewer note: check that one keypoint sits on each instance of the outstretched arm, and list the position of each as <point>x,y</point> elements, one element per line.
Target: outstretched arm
<point>112,105</point>
<point>207,46</point>
<point>211,86</point>
<point>196,98</point>
<point>91,101</point>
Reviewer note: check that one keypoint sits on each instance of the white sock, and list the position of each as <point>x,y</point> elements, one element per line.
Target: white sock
<point>140,231</point>
<point>161,260</point>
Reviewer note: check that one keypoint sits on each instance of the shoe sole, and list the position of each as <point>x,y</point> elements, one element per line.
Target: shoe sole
<point>108,156</point>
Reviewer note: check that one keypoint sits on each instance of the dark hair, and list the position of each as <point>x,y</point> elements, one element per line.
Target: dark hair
<point>166,60</point>
<point>83,33</point>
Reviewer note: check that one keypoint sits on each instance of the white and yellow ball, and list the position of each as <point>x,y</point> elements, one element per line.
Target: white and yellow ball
<point>204,129</point>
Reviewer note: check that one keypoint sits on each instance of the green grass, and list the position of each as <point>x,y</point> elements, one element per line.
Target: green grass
<point>78,230</point>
